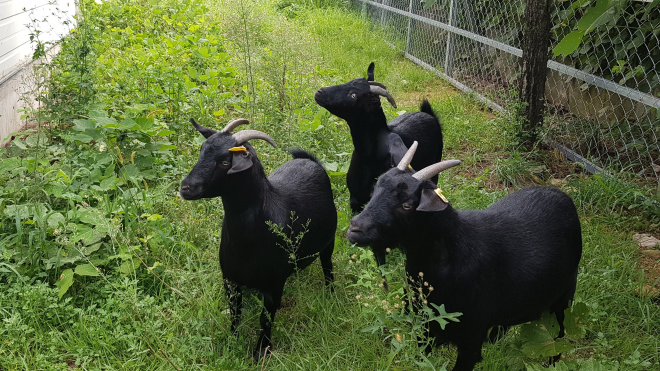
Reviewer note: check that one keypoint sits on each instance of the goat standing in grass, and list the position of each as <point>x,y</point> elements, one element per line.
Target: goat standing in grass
<point>499,267</point>
<point>252,255</point>
<point>377,144</point>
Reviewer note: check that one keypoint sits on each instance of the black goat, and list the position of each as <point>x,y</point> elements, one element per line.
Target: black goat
<point>252,255</point>
<point>499,267</point>
<point>358,102</point>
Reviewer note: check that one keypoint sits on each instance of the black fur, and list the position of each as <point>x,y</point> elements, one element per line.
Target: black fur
<point>355,103</point>
<point>298,153</point>
<point>251,255</point>
<point>499,267</point>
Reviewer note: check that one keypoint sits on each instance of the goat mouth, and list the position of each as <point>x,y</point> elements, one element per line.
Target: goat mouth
<point>360,237</point>
<point>190,196</point>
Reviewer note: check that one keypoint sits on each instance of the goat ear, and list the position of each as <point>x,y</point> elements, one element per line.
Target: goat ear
<point>206,132</point>
<point>240,162</point>
<point>430,201</point>
<point>370,72</point>
<point>396,148</point>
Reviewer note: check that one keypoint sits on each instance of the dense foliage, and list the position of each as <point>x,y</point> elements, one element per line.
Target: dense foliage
<point>102,266</point>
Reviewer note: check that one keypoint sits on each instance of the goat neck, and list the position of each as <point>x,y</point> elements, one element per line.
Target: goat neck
<point>367,131</point>
<point>246,191</point>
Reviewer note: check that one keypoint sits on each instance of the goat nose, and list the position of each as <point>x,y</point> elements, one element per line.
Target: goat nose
<point>185,187</point>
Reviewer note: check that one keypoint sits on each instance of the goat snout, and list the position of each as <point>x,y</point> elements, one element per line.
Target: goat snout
<point>190,191</point>
<point>360,234</point>
<point>319,97</point>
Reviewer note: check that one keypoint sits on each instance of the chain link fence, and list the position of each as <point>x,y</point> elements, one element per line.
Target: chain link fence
<point>602,100</point>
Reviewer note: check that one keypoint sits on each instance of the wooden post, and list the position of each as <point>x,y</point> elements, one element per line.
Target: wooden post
<point>535,45</point>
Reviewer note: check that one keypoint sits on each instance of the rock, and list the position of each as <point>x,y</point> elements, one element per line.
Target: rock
<point>653,254</point>
<point>558,182</point>
<point>646,240</point>
<point>656,168</point>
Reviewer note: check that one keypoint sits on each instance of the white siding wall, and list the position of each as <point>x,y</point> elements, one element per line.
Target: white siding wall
<point>16,49</point>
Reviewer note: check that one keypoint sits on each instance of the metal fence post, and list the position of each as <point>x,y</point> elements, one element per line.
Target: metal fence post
<point>454,9</point>
<point>383,12</point>
<point>408,39</point>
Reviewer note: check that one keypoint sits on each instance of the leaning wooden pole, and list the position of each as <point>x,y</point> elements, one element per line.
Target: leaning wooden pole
<point>535,46</point>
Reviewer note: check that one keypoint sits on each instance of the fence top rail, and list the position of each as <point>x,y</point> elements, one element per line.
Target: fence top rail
<point>598,81</point>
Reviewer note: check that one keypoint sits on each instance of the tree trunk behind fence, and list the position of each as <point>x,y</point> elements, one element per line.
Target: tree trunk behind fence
<point>535,44</point>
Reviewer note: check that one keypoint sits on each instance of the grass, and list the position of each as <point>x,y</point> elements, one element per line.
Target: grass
<point>175,315</point>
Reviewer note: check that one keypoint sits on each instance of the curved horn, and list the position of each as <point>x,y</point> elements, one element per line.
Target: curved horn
<point>245,135</point>
<point>206,132</point>
<point>407,158</point>
<point>232,125</point>
<point>377,84</point>
<point>432,170</point>
<point>380,91</point>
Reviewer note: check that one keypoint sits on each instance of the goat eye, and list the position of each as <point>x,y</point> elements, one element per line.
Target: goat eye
<point>406,206</point>
<point>245,154</point>
<point>225,163</point>
<point>353,95</point>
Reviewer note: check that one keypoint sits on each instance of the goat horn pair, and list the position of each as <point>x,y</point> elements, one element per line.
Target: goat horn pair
<point>429,171</point>
<point>378,88</point>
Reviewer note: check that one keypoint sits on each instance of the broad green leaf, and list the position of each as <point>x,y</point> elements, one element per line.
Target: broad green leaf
<point>569,43</point>
<point>110,170</point>
<point>144,123</point>
<point>19,143</point>
<point>91,216</point>
<point>86,270</point>
<point>128,267</point>
<point>154,217</point>
<point>54,189</point>
<point>96,114</point>
<point>192,72</point>
<point>539,338</point>
<point>428,4</point>
<point>592,14</point>
<point>55,220</point>
<point>575,319</point>
<point>86,234</point>
<point>108,183</point>
<point>21,211</point>
<point>81,138</point>
<point>106,122</point>
<point>65,281</point>
<point>83,125</point>
<point>88,250</point>
<point>331,166</point>
<point>131,172</point>
<point>127,124</point>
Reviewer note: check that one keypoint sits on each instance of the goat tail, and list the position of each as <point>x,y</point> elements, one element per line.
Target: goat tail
<point>426,108</point>
<point>300,153</point>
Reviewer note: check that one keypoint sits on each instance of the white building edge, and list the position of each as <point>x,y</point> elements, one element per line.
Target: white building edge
<point>18,20</point>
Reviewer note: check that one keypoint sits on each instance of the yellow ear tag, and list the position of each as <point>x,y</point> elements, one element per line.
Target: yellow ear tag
<point>438,191</point>
<point>410,167</point>
<point>237,149</point>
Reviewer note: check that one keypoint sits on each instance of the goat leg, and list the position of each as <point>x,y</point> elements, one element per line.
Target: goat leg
<point>326,264</point>
<point>235,297</point>
<point>469,354</point>
<point>271,304</point>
